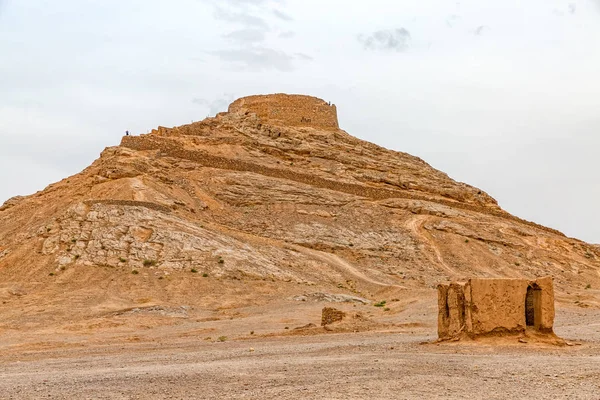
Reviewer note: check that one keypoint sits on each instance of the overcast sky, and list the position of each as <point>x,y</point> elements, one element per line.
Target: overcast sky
<point>500,94</point>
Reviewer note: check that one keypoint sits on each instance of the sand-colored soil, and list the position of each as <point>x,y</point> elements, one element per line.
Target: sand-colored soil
<point>154,271</point>
<point>390,362</point>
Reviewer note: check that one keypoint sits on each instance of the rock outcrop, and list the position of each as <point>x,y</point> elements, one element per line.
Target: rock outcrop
<point>268,198</point>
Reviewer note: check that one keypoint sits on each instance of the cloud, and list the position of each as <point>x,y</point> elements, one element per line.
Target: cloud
<point>244,18</point>
<point>256,58</point>
<point>282,15</point>
<point>287,35</point>
<point>303,56</point>
<point>217,105</point>
<point>480,30</point>
<point>245,2</point>
<point>451,20</point>
<point>252,19</point>
<point>391,39</point>
<point>247,35</point>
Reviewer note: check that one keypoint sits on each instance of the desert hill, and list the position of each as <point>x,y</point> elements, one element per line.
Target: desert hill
<point>263,203</point>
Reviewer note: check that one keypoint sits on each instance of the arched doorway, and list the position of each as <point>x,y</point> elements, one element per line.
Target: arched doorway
<point>533,306</point>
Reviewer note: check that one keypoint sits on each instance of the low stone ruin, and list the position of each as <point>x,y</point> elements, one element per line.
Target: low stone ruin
<point>491,307</point>
<point>330,315</point>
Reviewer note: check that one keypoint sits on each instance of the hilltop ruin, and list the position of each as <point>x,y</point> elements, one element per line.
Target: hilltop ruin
<point>289,110</point>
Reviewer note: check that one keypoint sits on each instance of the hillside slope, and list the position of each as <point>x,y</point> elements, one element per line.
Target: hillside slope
<point>266,201</point>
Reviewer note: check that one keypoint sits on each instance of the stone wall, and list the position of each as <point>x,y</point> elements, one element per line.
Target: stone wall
<point>173,148</point>
<point>482,307</point>
<point>289,110</point>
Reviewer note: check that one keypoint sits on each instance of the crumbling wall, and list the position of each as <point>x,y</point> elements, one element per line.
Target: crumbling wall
<point>546,284</point>
<point>330,315</point>
<point>497,305</point>
<point>452,317</point>
<point>289,110</point>
<point>175,149</point>
<point>493,306</point>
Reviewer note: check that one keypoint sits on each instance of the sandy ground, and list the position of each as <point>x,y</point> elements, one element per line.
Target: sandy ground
<point>382,364</point>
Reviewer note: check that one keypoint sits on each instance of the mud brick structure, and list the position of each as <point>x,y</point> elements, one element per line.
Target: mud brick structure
<point>289,110</point>
<point>488,307</point>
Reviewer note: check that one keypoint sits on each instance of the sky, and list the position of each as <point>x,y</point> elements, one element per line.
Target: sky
<point>500,94</point>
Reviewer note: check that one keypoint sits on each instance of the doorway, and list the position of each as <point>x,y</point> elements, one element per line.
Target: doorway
<point>533,306</point>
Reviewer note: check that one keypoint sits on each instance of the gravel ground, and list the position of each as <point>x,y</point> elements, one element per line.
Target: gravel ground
<point>402,363</point>
<point>376,365</point>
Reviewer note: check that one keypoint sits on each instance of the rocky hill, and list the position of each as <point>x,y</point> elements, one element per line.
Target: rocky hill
<point>264,202</point>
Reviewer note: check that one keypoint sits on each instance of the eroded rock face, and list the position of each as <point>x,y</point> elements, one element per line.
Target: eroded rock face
<point>11,202</point>
<point>481,307</point>
<point>258,197</point>
<point>136,236</point>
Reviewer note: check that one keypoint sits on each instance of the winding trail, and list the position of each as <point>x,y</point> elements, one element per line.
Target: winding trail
<point>335,261</point>
<point>416,225</point>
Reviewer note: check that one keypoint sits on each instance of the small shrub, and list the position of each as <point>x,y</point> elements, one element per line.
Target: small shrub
<point>73,240</point>
<point>194,270</point>
<point>135,272</point>
<point>518,264</point>
<point>161,277</point>
<point>221,261</point>
<point>149,263</point>
<point>287,327</point>
<point>122,259</point>
<point>51,274</point>
<point>222,338</point>
<point>386,309</point>
<point>48,229</point>
<point>588,286</point>
<point>77,256</point>
<point>252,332</point>
<point>205,275</point>
<point>466,240</point>
<point>380,304</point>
<point>62,268</point>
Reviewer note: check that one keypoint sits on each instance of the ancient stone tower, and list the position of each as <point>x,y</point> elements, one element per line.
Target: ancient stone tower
<point>289,110</point>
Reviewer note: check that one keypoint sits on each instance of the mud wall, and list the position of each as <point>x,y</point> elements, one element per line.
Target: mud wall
<point>496,305</point>
<point>493,306</point>
<point>174,148</point>
<point>289,110</point>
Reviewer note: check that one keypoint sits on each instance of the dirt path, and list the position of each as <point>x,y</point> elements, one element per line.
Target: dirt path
<point>415,225</point>
<point>340,264</point>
